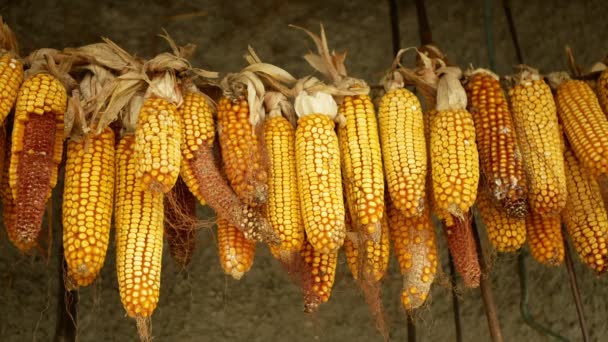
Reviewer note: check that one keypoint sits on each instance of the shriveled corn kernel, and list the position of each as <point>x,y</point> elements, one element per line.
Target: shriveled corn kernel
<point>404,150</point>
<point>11,77</point>
<point>367,259</point>
<point>545,238</point>
<point>322,269</point>
<point>585,124</point>
<point>416,250</point>
<point>361,160</point>
<point>139,236</point>
<point>241,152</point>
<point>499,155</point>
<point>235,251</point>
<point>158,137</point>
<point>320,182</point>
<point>36,151</point>
<point>585,215</point>
<point>535,119</point>
<point>283,208</point>
<point>506,233</point>
<point>454,161</point>
<point>88,199</point>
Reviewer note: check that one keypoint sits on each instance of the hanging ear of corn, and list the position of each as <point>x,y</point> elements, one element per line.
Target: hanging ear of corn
<point>11,70</point>
<point>506,233</point>
<point>180,223</point>
<point>500,159</point>
<point>322,269</point>
<point>585,216</point>
<point>6,195</point>
<point>157,144</point>
<point>360,155</point>
<point>87,205</point>
<point>283,208</point>
<point>197,128</point>
<point>404,149</point>
<point>545,238</point>
<point>415,247</point>
<point>318,170</point>
<point>235,251</point>
<point>535,119</point>
<point>36,150</point>
<point>239,119</point>
<point>584,123</point>
<point>139,236</point>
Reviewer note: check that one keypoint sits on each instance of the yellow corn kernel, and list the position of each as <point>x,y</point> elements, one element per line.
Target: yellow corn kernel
<point>189,178</point>
<point>454,161</point>
<point>241,153</point>
<point>87,205</point>
<point>320,183</point>
<point>602,90</point>
<point>499,155</point>
<point>6,195</point>
<point>585,216</point>
<point>585,124</point>
<point>36,151</point>
<point>545,238</point>
<point>506,233</point>
<point>322,269</point>
<point>361,160</point>
<point>139,236</point>
<point>158,138</point>
<point>416,250</point>
<point>283,208</point>
<point>198,128</point>
<point>11,76</point>
<point>404,150</point>
<point>535,119</point>
<point>366,258</point>
<point>235,251</point>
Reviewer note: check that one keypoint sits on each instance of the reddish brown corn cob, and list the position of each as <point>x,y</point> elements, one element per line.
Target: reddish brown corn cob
<point>545,238</point>
<point>506,233</point>
<point>6,195</point>
<point>139,236</point>
<point>241,152</point>
<point>235,251</point>
<point>404,149</point>
<point>415,247</point>
<point>499,155</point>
<point>585,215</point>
<point>36,151</point>
<point>180,223</point>
<point>88,200</point>
<point>535,119</point>
<point>585,124</point>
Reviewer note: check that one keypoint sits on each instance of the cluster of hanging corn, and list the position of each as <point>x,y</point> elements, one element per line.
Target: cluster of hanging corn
<point>305,166</point>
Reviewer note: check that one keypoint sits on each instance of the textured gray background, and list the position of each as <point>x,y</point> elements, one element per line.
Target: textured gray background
<point>201,303</point>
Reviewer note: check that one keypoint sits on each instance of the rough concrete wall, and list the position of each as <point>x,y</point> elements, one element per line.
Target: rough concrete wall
<point>201,303</point>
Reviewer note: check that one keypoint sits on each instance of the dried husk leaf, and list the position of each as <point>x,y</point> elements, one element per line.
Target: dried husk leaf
<point>554,79</point>
<point>247,84</point>
<point>277,104</point>
<point>52,62</point>
<point>319,102</point>
<point>8,39</point>
<point>450,92</point>
<point>472,72</point>
<point>107,54</point>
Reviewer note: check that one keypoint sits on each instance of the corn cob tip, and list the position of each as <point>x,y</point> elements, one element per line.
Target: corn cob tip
<point>256,227</point>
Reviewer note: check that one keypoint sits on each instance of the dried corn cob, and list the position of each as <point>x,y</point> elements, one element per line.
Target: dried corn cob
<point>416,250</point>
<point>283,209</point>
<point>235,251</point>
<point>535,119</point>
<point>322,269</point>
<point>6,195</point>
<point>11,70</point>
<point>36,151</point>
<point>404,149</point>
<point>545,238</point>
<point>180,223</point>
<point>139,236</point>
<point>197,128</point>
<point>318,169</point>
<point>241,151</point>
<point>87,205</point>
<point>367,259</point>
<point>506,233</point>
<point>585,216</point>
<point>157,145</point>
<point>500,158</point>
<point>584,123</point>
